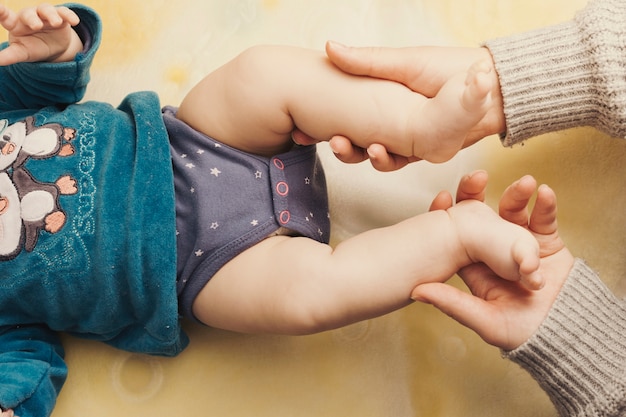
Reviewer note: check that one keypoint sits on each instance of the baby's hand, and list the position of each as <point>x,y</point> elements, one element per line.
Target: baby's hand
<point>7,413</point>
<point>42,33</point>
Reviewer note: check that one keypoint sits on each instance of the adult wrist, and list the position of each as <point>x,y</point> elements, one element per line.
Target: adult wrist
<point>541,89</point>
<point>578,354</point>
<point>566,75</point>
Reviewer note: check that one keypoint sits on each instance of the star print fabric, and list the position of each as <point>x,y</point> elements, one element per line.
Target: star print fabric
<point>228,200</point>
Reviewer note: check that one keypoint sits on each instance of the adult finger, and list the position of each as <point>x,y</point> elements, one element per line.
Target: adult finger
<point>384,161</point>
<point>470,311</point>
<point>345,151</point>
<point>472,186</point>
<point>442,201</point>
<point>513,205</point>
<point>379,62</point>
<point>543,215</point>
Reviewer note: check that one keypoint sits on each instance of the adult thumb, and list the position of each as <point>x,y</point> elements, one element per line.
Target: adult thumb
<point>378,62</point>
<point>470,311</point>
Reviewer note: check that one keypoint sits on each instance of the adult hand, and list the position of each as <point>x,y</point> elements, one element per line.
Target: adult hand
<point>504,313</point>
<point>425,70</point>
<point>346,152</point>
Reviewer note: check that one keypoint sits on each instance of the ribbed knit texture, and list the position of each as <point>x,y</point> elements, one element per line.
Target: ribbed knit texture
<point>564,76</point>
<point>578,355</point>
<point>570,75</point>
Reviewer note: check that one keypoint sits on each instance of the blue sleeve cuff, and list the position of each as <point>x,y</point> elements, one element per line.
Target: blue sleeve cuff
<point>32,369</point>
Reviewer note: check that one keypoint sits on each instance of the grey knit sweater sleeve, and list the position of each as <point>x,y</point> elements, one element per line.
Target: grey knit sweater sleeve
<point>578,355</point>
<point>567,75</point>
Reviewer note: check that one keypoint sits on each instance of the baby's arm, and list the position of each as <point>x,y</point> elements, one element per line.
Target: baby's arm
<point>254,102</point>
<point>42,33</point>
<point>32,370</point>
<point>298,286</point>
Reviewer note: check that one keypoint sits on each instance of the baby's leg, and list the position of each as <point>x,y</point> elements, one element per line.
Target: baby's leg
<point>7,413</point>
<point>258,98</point>
<point>299,286</point>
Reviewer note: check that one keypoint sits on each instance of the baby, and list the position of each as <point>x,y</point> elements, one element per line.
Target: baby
<point>113,221</point>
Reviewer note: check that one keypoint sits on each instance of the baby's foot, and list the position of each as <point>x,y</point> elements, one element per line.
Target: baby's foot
<point>479,81</point>
<point>454,113</point>
<point>526,254</point>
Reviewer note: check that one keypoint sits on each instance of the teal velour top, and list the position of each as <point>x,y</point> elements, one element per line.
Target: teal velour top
<point>87,224</point>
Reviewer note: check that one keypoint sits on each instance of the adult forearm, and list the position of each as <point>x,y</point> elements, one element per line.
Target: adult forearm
<point>564,76</point>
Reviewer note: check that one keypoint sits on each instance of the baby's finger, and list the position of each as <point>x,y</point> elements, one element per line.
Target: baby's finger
<point>49,14</point>
<point>68,15</point>
<point>29,17</point>
<point>8,18</point>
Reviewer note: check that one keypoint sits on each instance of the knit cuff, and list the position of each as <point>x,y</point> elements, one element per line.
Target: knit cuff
<point>542,91</point>
<point>578,355</point>
<point>566,75</point>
